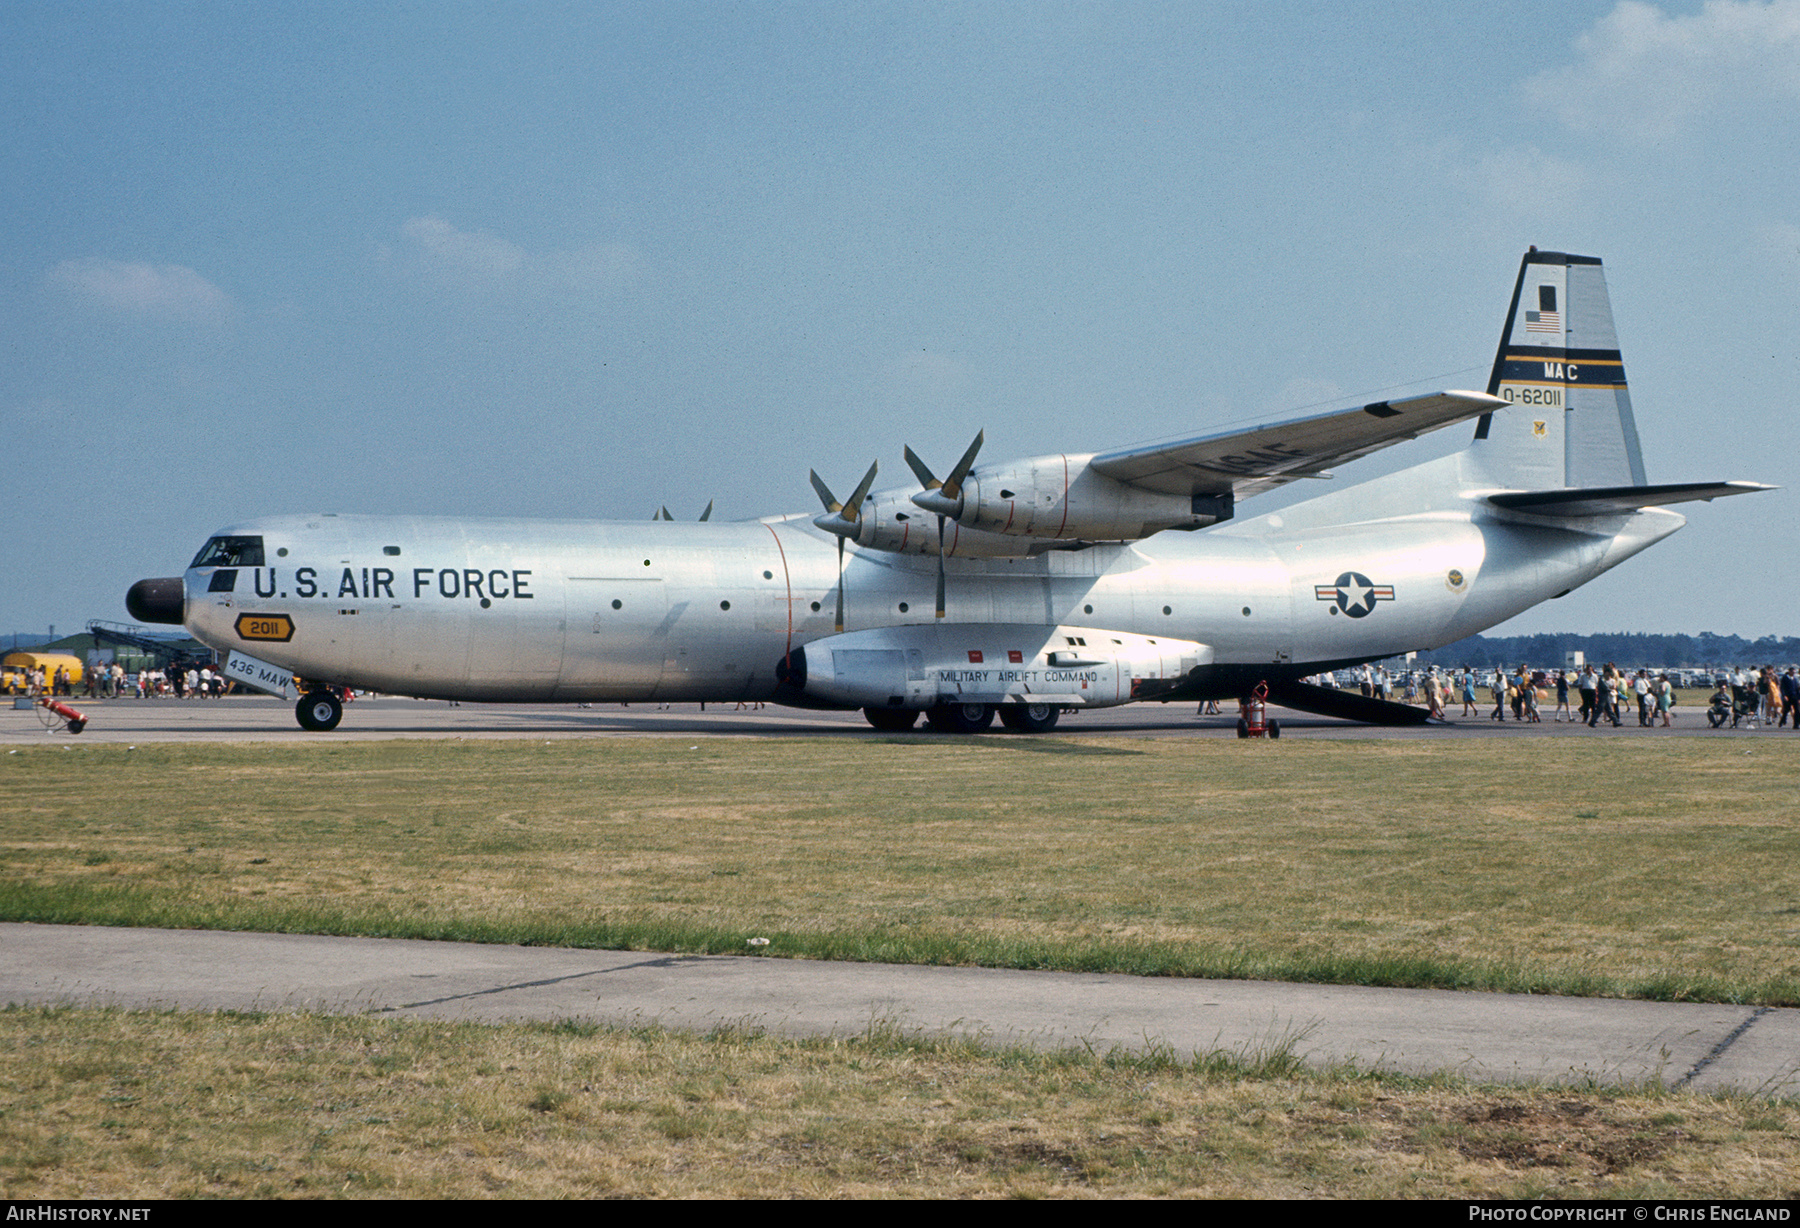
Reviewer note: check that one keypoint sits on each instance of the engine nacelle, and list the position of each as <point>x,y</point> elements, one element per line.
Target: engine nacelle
<point>890,521</point>
<point>1000,663</point>
<point>1061,497</point>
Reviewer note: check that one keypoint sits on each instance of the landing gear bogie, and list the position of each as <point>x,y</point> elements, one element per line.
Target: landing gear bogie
<point>1030,718</point>
<point>891,720</point>
<point>960,718</point>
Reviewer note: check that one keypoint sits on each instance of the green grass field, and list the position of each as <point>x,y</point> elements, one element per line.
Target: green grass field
<point>1654,867</point>
<point>111,1104</point>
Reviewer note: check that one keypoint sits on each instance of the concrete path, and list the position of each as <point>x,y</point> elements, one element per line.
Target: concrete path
<point>1501,1037</point>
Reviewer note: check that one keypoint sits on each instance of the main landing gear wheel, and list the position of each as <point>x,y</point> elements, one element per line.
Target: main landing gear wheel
<point>960,718</point>
<point>1030,718</point>
<point>319,711</point>
<point>891,720</point>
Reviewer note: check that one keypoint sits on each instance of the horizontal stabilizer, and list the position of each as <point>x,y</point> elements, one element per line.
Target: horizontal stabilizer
<point>1348,705</point>
<point>1617,500</point>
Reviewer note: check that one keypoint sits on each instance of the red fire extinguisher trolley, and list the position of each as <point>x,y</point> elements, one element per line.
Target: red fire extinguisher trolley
<point>51,713</point>
<point>1253,714</point>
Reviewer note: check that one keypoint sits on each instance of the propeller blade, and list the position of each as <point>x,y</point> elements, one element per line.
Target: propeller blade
<point>838,518</point>
<point>953,483</point>
<point>853,509</point>
<point>940,578</point>
<point>921,471</point>
<point>843,519</point>
<point>824,491</point>
<point>945,497</point>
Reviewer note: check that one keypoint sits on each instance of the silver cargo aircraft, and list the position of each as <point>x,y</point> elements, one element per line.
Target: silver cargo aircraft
<point>1026,590</point>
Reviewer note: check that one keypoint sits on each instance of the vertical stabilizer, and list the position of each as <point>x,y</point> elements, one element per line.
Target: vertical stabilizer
<point>1559,365</point>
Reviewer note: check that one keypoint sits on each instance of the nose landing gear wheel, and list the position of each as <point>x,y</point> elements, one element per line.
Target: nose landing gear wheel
<point>319,711</point>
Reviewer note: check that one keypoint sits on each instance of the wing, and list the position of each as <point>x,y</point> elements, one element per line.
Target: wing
<point>1264,457</point>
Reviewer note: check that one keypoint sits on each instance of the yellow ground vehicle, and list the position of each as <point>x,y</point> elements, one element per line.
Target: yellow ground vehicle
<point>15,668</point>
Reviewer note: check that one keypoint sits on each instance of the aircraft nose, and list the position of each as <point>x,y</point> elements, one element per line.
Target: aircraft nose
<point>156,601</point>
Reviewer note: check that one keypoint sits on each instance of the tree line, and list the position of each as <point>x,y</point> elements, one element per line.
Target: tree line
<point>1624,648</point>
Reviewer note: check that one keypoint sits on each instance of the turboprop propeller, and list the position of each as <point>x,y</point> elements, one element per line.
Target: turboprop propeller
<point>944,498</point>
<point>842,520</point>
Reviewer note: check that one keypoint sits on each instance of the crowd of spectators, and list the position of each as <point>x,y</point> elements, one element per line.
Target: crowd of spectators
<point>1589,695</point>
<point>190,680</point>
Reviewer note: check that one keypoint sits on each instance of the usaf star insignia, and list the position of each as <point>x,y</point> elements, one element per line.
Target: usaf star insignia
<point>1354,593</point>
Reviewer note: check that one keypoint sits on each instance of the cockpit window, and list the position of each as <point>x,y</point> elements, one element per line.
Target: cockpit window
<point>230,552</point>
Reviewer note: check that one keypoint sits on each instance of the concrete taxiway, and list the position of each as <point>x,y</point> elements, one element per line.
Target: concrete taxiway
<point>264,718</point>
<point>1498,1037</point>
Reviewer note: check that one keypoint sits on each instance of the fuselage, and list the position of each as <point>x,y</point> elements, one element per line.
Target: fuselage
<point>529,610</point>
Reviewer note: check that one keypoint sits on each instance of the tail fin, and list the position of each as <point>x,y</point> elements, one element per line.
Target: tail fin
<point>1559,364</point>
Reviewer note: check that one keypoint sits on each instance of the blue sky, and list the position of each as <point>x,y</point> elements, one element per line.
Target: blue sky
<point>583,261</point>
